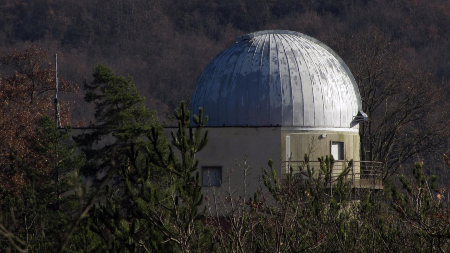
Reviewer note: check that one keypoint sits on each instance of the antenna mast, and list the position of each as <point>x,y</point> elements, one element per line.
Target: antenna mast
<point>57,119</point>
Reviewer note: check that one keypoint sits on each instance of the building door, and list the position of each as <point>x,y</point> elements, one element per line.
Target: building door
<point>337,150</point>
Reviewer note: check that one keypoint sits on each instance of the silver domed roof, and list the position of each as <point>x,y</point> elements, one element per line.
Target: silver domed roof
<point>277,78</point>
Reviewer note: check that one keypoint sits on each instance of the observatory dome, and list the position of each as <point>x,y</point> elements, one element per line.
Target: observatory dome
<point>282,78</point>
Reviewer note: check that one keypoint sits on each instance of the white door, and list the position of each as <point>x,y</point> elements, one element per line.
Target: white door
<point>337,150</point>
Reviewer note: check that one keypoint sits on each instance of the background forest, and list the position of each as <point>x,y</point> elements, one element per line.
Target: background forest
<point>165,45</point>
<point>149,199</point>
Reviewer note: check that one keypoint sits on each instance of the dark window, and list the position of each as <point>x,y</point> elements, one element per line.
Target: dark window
<point>211,176</point>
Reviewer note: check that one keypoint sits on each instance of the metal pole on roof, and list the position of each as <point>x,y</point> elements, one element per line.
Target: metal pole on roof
<point>56,94</point>
<point>57,126</point>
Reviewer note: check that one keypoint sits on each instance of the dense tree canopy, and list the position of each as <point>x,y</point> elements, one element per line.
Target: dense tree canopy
<point>137,195</point>
<point>146,199</point>
<point>165,45</point>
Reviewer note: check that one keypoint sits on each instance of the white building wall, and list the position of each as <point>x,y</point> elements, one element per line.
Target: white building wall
<point>233,149</point>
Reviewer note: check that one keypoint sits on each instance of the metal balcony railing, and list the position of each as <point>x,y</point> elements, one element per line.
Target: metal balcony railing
<point>362,174</point>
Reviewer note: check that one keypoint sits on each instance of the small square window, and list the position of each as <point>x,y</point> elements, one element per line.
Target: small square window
<point>337,150</point>
<point>211,176</point>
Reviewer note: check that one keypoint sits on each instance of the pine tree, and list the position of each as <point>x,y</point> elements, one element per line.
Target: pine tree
<point>37,219</point>
<point>159,212</point>
<point>183,224</point>
<point>120,113</point>
<point>151,200</point>
<point>424,208</point>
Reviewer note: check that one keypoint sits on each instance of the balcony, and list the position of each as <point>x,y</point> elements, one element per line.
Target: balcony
<point>362,174</point>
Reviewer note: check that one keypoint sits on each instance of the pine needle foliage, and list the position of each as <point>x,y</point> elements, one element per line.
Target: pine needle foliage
<point>37,219</point>
<point>152,199</point>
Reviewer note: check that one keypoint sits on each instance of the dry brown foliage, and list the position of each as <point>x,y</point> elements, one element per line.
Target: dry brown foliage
<point>27,87</point>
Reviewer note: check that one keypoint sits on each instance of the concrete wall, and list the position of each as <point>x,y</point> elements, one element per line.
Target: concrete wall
<point>295,143</point>
<point>233,149</point>
<point>236,148</point>
<point>230,147</point>
<point>227,147</point>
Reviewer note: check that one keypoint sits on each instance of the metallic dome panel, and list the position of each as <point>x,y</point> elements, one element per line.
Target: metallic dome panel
<point>277,78</point>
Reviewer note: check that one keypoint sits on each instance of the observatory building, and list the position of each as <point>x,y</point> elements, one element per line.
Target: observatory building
<point>277,95</point>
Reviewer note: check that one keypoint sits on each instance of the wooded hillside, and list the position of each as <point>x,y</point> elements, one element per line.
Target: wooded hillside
<point>165,44</point>
<point>149,199</point>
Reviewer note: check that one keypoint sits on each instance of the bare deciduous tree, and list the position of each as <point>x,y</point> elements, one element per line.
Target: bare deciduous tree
<point>404,103</point>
